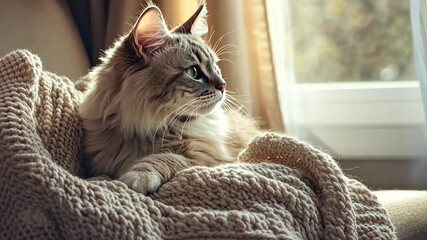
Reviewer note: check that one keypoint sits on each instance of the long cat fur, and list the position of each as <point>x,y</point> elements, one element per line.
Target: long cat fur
<point>142,116</point>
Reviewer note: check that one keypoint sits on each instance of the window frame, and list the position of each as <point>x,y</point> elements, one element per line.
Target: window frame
<point>357,120</point>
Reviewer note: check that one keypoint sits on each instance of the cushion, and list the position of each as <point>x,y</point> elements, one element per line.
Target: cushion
<point>408,211</point>
<point>46,28</point>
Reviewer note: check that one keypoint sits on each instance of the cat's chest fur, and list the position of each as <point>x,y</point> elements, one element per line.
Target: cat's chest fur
<point>203,141</point>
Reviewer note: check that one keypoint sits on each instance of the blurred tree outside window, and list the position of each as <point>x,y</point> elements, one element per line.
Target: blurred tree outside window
<point>351,41</point>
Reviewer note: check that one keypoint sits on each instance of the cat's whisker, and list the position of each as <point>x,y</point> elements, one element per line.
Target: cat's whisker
<point>237,93</point>
<point>238,100</point>
<point>230,107</point>
<point>227,47</point>
<point>233,92</point>
<point>178,112</point>
<point>178,115</point>
<point>241,108</point>
<point>228,60</point>
<point>210,37</point>
<point>173,120</point>
<point>187,120</point>
<point>227,52</point>
<point>218,41</point>
<point>223,54</point>
<point>204,103</point>
<point>236,103</point>
<point>236,51</point>
<point>175,112</point>
<point>235,112</point>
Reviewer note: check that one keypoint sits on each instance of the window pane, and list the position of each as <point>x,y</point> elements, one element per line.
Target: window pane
<point>344,41</point>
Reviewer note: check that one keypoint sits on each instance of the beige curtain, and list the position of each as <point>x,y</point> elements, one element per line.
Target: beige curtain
<point>240,24</point>
<point>260,62</point>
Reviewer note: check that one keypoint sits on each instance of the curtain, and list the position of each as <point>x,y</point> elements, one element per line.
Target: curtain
<point>47,29</point>
<point>100,22</point>
<point>234,24</point>
<point>262,78</point>
<point>419,36</point>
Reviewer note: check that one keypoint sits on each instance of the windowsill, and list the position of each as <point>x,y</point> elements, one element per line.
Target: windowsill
<point>388,174</point>
<point>362,120</point>
<point>361,91</point>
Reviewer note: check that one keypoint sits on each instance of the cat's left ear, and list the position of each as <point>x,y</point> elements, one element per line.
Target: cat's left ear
<point>150,31</point>
<point>196,24</point>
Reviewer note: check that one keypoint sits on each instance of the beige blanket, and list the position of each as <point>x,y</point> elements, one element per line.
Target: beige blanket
<point>300,194</point>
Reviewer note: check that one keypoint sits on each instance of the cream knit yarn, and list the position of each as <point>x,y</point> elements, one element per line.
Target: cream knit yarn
<point>300,194</point>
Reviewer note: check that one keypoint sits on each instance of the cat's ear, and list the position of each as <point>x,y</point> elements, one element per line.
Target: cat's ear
<point>150,30</point>
<point>196,24</point>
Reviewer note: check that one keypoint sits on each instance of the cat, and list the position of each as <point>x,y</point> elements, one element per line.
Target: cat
<point>155,105</point>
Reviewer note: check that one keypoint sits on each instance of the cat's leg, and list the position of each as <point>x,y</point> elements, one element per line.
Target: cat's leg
<point>148,173</point>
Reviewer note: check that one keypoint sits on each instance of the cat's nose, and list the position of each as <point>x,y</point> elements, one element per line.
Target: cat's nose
<point>221,87</point>
<point>219,83</point>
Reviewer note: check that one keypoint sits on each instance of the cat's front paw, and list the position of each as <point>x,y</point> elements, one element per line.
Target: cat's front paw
<point>142,181</point>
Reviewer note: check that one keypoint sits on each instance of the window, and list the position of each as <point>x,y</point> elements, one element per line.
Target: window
<point>343,41</point>
<point>346,77</point>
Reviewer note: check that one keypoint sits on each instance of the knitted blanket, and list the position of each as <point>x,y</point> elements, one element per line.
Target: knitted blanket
<point>282,189</point>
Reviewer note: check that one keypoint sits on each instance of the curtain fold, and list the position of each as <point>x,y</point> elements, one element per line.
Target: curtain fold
<point>262,77</point>
<point>234,25</point>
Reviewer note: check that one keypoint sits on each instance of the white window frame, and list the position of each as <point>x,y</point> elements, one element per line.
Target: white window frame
<point>360,120</point>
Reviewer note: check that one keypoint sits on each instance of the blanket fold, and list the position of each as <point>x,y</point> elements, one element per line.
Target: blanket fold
<point>282,188</point>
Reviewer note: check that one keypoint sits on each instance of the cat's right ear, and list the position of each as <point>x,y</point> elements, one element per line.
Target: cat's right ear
<point>196,24</point>
<point>150,31</point>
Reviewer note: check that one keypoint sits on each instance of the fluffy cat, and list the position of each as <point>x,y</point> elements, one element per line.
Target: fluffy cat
<point>156,105</point>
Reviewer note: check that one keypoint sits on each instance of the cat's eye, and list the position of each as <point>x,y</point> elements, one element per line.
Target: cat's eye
<point>194,72</point>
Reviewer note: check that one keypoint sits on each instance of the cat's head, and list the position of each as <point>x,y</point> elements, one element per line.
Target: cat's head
<point>154,74</point>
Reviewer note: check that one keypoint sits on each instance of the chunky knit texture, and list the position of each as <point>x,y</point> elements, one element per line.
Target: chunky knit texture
<point>286,190</point>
